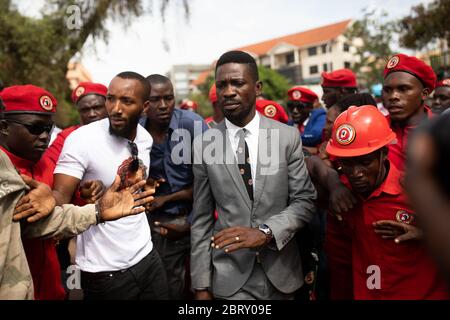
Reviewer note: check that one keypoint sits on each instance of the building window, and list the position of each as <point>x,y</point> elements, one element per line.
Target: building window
<point>325,67</point>
<point>312,51</point>
<point>331,66</point>
<point>346,47</point>
<point>324,48</point>
<point>347,65</point>
<point>290,58</point>
<point>313,69</point>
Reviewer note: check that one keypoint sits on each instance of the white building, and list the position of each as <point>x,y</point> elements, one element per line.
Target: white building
<point>182,77</point>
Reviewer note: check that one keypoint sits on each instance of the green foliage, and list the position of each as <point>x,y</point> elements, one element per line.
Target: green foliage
<point>425,24</point>
<point>275,86</point>
<point>376,34</point>
<point>37,50</point>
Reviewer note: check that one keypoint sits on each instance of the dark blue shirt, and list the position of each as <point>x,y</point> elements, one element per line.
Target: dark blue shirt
<point>172,160</point>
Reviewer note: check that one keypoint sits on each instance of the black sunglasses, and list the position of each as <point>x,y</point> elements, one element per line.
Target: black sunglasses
<point>36,128</point>
<point>134,166</point>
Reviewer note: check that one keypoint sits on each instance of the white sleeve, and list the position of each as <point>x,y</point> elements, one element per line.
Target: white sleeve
<point>74,159</point>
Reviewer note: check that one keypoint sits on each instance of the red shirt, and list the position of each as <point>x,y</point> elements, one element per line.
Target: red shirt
<point>406,270</point>
<point>41,253</point>
<point>397,151</point>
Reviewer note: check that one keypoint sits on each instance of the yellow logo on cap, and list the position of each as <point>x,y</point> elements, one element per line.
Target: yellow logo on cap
<point>345,134</point>
<point>46,103</point>
<point>80,91</point>
<point>404,216</point>
<point>270,111</point>
<point>393,62</point>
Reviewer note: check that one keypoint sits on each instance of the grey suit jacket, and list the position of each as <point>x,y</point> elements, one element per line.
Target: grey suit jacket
<point>283,200</point>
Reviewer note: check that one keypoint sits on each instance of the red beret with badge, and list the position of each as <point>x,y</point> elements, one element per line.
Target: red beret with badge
<point>28,99</point>
<point>339,78</point>
<point>443,83</point>
<point>271,110</point>
<point>213,94</point>
<point>416,67</point>
<point>189,105</point>
<point>85,88</point>
<point>302,94</point>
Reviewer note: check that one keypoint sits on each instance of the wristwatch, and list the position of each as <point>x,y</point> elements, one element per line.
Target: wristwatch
<point>267,231</point>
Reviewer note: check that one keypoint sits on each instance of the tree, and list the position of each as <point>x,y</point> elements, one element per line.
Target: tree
<point>37,50</point>
<point>425,24</point>
<point>371,36</point>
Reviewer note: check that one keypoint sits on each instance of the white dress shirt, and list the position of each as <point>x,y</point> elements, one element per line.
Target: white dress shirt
<point>251,138</point>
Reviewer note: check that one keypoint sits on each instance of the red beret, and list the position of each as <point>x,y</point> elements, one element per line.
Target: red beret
<point>443,83</point>
<point>272,110</point>
<point>28,99</point>
<point>188,104</point>
<point>213,94</point>
<point>85,88</point>
<point>414,66</point>
<point>302,94</point>
<point>339,78</point>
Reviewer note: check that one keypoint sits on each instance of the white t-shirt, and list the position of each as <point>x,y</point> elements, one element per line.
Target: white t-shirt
<point>92,153</point>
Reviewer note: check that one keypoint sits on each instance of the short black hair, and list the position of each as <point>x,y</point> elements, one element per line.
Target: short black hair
<point>240,57</point>
<point>356,99</point>
<point>158,79</point>
<point>138,77</point>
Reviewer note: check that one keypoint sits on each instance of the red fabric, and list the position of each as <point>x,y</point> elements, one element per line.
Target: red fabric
<point>272,110</point>
<point>397,151</point>
<point>414,66</point>
<point>28,99</point>
<point>41,254</point>
<point>213,94</point>
<point>339,78</point>
<point>189,105</point>
<point>443,83</point>
<point>85,88</point>
<point>302,94</point>
<point>406,270</point>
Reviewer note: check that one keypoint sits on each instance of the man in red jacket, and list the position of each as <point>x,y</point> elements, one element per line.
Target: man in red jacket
<point>25,125</point>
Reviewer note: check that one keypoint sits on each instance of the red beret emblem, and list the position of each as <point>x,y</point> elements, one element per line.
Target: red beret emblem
<point>46,103</point>
<point>345,134</point>
<point>296,94</point>
<point>393,62</point>
<point>270,111</point>
<point>446,82</point>
<point>404,216</point>
<point>80,91</point>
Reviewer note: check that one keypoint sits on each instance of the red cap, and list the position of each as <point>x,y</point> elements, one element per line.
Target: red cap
<point>85,88</point>
<point>271,110</point>
<point>28,99</point>
<point>188,104</point>
<point>443,83</point>
<point>414,66</point>
<point>302,94</point>
<point>213,94</point>
<point>339,78</point>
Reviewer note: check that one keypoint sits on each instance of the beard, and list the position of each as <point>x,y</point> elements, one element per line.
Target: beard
<point>124,132</point>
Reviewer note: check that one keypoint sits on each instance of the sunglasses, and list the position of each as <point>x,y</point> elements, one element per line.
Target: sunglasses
<point>134,166</point>
<point>35,129</point>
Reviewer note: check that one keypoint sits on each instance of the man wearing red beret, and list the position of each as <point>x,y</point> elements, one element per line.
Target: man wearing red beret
<point>271,109</point>
<point>336,85</point>
<point>441,97</point>
<point>189,105</point>
<point>89,98</point>
<point>25,125</point>
<point>310,121</point>
<point>217,117</point>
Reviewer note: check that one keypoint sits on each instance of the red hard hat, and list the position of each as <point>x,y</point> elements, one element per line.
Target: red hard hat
<point>359,131</point>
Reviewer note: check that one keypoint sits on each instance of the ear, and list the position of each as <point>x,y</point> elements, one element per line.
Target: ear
<point>258,88</point>
<point>4,127</point>
<point>425,93</point>
<point>146,106</point>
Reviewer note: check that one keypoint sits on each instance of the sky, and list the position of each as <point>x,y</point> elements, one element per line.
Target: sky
<point>150,45</point>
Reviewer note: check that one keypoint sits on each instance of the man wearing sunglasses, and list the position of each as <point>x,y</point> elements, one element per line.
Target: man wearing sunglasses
<point>26,120</point>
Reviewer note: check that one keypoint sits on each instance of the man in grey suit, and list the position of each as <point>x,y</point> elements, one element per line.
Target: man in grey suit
<point>262,200</point>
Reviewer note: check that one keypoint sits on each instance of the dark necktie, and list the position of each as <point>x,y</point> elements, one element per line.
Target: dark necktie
<point>244,162</point>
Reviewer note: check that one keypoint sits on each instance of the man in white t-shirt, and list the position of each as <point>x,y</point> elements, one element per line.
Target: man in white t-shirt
<point>117,259</point>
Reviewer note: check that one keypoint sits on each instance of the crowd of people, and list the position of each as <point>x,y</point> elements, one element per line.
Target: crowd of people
<point>341,201</point>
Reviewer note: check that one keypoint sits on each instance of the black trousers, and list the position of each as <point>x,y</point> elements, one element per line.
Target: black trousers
<point>146,280</point>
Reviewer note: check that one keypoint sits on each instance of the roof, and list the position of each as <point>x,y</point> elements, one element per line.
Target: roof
<point>300,39</point>
<point>201,77</point>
